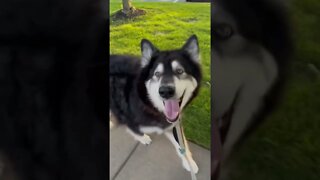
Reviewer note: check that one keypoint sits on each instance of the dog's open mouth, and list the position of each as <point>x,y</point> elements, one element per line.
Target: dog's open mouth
<point>172,109</point>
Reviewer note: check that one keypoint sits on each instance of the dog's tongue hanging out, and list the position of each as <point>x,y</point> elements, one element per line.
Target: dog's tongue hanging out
<point>171,109</point>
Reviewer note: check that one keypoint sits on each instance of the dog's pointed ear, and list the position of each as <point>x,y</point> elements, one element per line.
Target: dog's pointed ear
<point>147,50</point>
<point>192,48</point>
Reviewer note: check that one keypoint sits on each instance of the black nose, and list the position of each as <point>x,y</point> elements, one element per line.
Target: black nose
<point>166,91</point>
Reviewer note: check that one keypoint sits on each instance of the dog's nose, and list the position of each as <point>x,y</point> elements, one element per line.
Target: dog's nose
<point>166,91</point>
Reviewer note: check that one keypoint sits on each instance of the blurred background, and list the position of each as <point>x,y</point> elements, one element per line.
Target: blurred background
<point>287,146</point>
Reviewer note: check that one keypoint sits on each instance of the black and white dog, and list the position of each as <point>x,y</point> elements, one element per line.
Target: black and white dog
<point>148,94</point>
<point>250,51</point>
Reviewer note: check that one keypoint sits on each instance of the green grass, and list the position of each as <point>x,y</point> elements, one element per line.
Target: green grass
<point>168,26</point>
<point>287,145</point>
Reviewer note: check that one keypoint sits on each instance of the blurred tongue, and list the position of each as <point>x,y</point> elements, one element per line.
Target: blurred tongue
<point>171,109</point>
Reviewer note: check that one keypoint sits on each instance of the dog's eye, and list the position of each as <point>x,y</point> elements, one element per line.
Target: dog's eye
<point>179,71</point>
<point>157,74</point>
<point>222,31</point>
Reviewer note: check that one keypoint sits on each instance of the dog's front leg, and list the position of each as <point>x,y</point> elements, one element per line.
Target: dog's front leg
<point>187,156</point>
<point>143,138</point>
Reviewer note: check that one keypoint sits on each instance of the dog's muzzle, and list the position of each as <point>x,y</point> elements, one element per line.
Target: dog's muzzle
<point>166,92</point>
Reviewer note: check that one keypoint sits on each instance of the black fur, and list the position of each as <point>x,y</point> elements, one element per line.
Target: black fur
<point>53,107</point>
<point>129,101</point>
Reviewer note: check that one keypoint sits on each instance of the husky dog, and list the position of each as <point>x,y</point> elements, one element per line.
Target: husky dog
<point>250,48</point>
<point>148,94</point>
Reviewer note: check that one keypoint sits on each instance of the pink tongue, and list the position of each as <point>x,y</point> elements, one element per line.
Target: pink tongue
<point>171,109</point>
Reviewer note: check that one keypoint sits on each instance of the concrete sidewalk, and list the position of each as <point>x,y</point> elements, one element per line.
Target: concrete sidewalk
<point>130,160</point>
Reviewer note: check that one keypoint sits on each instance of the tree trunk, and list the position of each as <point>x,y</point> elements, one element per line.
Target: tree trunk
<point>127,7</point>
<point>128,11</point>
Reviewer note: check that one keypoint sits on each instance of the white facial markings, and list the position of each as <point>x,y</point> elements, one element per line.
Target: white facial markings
<point>186,86</point>
<point>153,94</point>
<point>153,86</point>
<point>183,85</point>
<point>178,69</point>
<point>175,65</point>
<point>158,71</point>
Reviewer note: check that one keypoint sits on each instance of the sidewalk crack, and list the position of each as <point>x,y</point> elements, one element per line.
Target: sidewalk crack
<point>125,162</point>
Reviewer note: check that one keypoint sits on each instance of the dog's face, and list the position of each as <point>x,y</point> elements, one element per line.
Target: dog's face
<point>249,51</point>
<point>172,76</point>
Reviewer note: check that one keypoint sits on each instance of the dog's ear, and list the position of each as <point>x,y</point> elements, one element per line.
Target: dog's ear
<point>192,48</point>
<point>147,50</point>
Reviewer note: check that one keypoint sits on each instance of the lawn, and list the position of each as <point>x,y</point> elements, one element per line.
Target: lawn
<point>287,145</point>
<point>168,26</point>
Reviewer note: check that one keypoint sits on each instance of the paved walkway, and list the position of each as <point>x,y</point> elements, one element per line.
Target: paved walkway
<point>131,160</point>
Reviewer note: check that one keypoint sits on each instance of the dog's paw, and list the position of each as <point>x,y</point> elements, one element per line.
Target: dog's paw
<point>193,165</point>
<point>145,140</point>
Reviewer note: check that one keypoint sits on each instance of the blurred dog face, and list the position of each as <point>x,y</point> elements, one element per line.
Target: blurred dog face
<point>250,42</point>
<point>237,60</point>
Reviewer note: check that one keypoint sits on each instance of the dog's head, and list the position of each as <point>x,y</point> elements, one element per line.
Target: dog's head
<point>250,40</point>
<point>171,77</point>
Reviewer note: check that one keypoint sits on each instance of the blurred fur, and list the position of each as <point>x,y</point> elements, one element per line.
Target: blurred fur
<point>250,57</point>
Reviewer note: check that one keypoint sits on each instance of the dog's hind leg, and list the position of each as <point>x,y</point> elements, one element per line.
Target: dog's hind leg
<point>143,138</point>
<point>175,142</point>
